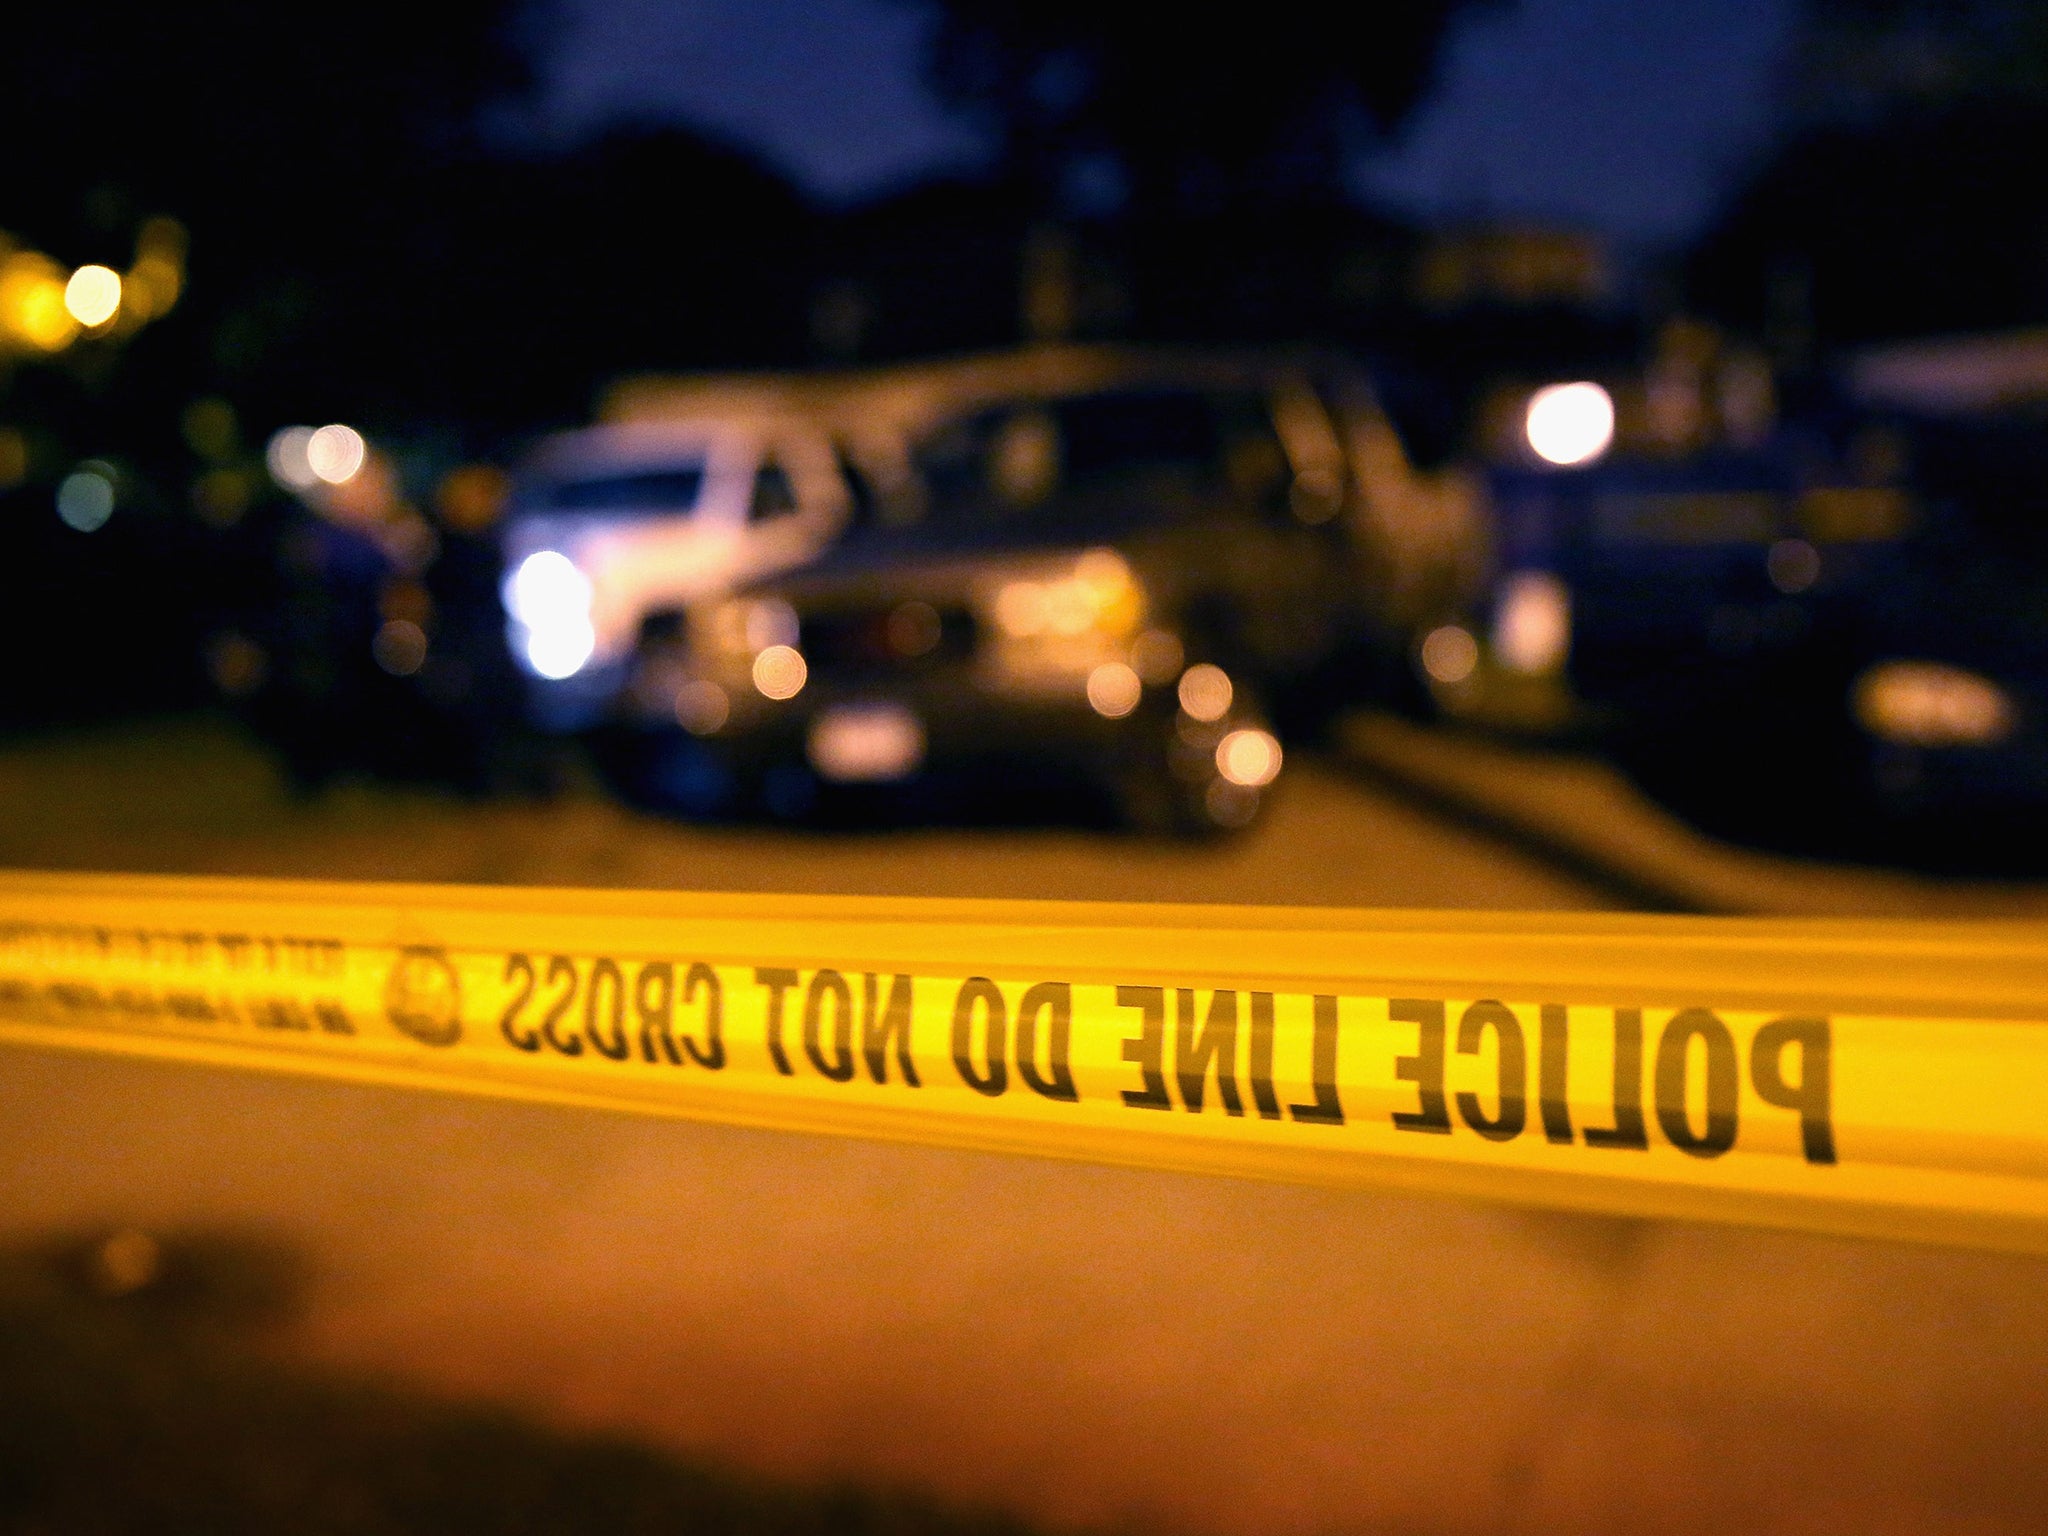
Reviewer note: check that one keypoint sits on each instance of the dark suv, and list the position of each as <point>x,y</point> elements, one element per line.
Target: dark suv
<point>1115,586</point>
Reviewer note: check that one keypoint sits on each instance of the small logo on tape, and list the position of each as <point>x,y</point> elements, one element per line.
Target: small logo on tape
<point>423,996</point>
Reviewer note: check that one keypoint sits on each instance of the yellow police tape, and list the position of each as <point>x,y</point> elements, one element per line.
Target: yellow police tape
<point>1868,1077</point>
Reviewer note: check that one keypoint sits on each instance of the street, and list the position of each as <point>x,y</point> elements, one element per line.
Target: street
<point>196,798</point>
<point>1079,1347</point>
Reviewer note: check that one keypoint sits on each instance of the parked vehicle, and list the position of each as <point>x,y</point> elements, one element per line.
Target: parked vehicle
<point>1109,572</point>
<point>1834,638</point>
<point>617,525</point>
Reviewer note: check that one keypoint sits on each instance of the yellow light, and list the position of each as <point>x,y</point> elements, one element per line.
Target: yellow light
<point>780,672</point>
<point>1104,571</point>
<point>32,306</point>
<point>1119,602</point>
<point>1114,690</point>
<point>153,283</point>
<point>1099,596</point>
<point>93,295</point>
<point>152,286</point>
<point>1205,692</point>
<point>1570,424</point>
<point>1248,757</point>
<point>1021,608</point>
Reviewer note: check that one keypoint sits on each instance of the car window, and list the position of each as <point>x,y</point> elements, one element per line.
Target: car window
<point>648,490</point>
<point>863,500</point>
<point>774,496</point>
<point>1155,454</point>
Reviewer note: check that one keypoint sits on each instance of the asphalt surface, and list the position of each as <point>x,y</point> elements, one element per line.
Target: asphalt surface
<point>1083,1348</point>
<point>1578,813</point>
<point>194,796</point>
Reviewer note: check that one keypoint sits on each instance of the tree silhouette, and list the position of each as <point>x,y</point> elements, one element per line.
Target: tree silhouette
<point>1904,196</point>
<point>1190,110</point>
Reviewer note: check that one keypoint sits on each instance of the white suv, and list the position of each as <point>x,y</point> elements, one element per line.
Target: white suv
<point>616,527</point>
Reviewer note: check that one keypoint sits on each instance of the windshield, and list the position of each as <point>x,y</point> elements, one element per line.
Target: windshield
<point>673,489</point>
<point>1131,457</point>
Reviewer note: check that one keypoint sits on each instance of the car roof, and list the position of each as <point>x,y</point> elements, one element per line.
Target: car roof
<point>911,398</point>
<point>626,446</point>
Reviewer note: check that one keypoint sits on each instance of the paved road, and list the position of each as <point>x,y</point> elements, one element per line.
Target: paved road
<point>194,797</point>
<point>1085,1347</point>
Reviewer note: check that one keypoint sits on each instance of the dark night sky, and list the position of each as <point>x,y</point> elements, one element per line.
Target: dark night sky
<point>1617,114</point>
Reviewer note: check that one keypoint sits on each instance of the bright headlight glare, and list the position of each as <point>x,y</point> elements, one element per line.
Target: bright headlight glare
<point>546,588</point>
<point>557,651</point>
<point>1931,704</point>
<point>1569,424</point>
<point>550,599</point>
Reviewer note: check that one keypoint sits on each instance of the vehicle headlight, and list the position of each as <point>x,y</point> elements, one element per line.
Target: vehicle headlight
<point>1931,704</point>
<point>1532,622</point>
<point>1099,596</point>
<point>549,601</point>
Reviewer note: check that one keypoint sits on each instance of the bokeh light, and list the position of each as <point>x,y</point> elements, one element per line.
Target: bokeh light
<point>32,307</point>
<point>1532,622</point>
<point>400,647</point>
<point>1449,653</point>
<point>93,296</point>
<point>1249,757</point>
<point>1570,424</point>
<point>550,598</point>
<point>1931,704</point>
<point>85,498</point>
<point>285,455</point>
<point>335,453</point>
<point>1114,690</point>
<point>702,707</point>
<point>1205,692</point>
<point>780,672</point>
